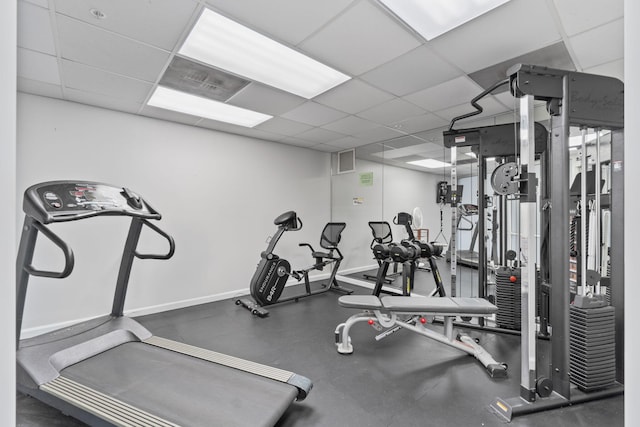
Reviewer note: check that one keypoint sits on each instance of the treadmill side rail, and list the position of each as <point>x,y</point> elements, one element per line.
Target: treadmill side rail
<point>302,383</point>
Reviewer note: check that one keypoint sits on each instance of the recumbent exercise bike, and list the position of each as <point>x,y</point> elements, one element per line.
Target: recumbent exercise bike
<point>272,273</point>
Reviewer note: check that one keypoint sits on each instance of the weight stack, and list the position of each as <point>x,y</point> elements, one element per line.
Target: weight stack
<point>508,298</point>
<point>592,361</point>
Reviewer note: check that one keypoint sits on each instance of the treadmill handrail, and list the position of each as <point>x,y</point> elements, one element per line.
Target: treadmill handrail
<point>172,244</point>
<point>66,250</point>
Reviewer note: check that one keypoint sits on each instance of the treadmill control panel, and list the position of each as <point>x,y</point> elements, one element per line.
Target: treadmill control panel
<point>59,201</point>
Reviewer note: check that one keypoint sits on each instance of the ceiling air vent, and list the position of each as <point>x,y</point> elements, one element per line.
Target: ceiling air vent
<point>200,80</point>
<point>347,161</point>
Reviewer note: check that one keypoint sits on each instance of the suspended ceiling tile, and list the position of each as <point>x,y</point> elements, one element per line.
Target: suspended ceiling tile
<point>581,15</point>
<point>408,144</point>
<point>238,130</point>
<point>85,78</point>
<point>290,21</point>
<point>34,28</point>
<point>320,135</point>
<point>611,69</point>
<point>39,88</point>
<point>490,107</point>
<point>453,92</point>
<point>158,23</point>
<point>353,97</point>
<point>101,101</point>
<point>38,66</point>
<point>348,142</point>
<point>172,116</point>
<point>411,72</point>
<point>314,114</point>
<point>360,39</point>
<point>297,142</point>
<point>280,126</point>
<point>506,99</point>
<point>433,136</point>
<point>378,134</point>
<point>513,29</point>
<point>327,148</point>
<point>265,99</point>
<point>93,46</point>
<point>391,111</point>
<point>350,125</point>
<point>41,3</point>
<point>600,45</point>
<point>420,123</point>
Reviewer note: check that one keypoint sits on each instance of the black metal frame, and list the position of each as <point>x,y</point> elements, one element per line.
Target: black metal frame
<point>573,99</point>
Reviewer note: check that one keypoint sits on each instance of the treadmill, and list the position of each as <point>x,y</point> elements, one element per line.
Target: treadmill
<point>468,257</point>
<point>111,371</point>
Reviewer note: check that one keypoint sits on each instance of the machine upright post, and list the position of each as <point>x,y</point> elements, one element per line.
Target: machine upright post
<point>454,222</point>
<point>25,256</point>
<point>125,267</point>
<point>584,215</point>
<point>528,246</point>
<point>558,252</point>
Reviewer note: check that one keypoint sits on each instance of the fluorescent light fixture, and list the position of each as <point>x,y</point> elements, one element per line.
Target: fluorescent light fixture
<point>430,163</point>
<point>225,44</point>
<point>182,102</point>
<point>433,18</point>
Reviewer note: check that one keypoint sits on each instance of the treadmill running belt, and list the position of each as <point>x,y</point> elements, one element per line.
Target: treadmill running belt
<point>181,389</point>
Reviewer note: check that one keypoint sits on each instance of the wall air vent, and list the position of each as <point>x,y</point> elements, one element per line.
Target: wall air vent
<point>201,80</point>
<point>347,161</point>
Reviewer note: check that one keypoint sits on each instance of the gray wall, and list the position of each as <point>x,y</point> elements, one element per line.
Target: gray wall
<point>218,194</point>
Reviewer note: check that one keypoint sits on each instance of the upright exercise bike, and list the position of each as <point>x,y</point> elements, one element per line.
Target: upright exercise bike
<point>272,273</point>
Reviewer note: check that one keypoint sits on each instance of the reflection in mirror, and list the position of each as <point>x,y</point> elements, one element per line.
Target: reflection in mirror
<point>390,177</point>
<point>387,181</point>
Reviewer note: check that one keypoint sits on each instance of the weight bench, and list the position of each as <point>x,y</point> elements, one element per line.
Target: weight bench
<point>384,311</point>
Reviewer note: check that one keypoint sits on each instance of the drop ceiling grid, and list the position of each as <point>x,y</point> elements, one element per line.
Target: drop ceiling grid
<point>390,86</point>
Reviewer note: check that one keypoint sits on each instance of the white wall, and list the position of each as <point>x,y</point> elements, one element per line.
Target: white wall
<point>394,190</point>
<point>218,194</point>
<point>7,215</point>
<point>631,207</point>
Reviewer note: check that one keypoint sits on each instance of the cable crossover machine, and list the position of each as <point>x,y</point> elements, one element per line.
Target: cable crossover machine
<point>578,306</point>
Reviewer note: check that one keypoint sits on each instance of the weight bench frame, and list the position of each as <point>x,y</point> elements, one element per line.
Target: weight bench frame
<point>385,311</point>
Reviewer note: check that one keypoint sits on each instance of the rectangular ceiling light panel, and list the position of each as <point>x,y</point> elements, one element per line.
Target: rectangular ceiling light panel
<point>433,18</point>
<point>202,107</point>
<point>223,43</point>
<point>430,163</point>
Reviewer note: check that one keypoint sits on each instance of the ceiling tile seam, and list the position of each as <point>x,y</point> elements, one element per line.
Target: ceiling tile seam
<point>363,82</point>
<point>329,21</point>
<point>113,73</point>
<point>400,22</point>
<point>606,62</point>
<point>563,34</point>
<point>56,43</point>
<point>620,18</point>
<point>48,12</point>
<point>106,30</point>
<point>185,32</point>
